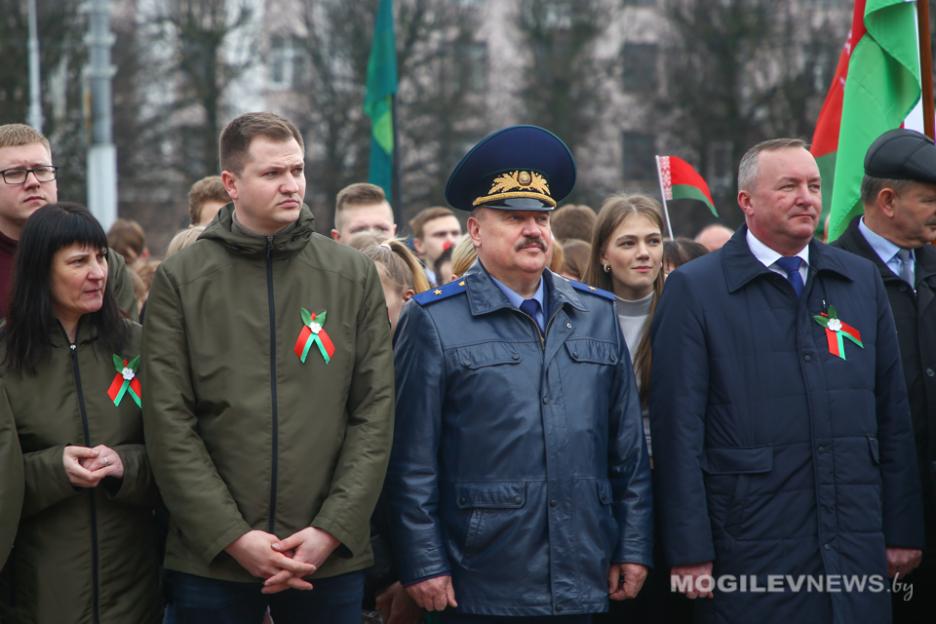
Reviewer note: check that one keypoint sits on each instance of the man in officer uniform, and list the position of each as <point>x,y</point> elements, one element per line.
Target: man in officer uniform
<point>896,232</point>
<point>519,480</point>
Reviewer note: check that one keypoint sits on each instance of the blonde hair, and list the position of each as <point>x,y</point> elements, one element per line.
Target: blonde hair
<point>17,135</point>
<point>184,238</point>
<point>397,263</point>
<point>464,255</point>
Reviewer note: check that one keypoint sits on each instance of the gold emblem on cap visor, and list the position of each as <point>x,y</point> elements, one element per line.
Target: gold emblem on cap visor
<point>516,184</point>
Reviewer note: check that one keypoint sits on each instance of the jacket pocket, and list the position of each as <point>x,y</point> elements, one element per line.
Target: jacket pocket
<point>493,516</point>
<point>487,354</point>
<point>726,461</point>
<point>730,472</point>
<point>589,350</point>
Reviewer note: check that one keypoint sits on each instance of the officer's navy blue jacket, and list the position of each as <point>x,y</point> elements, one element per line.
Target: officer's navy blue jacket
<point>519,466</point>
<point>772,455</point>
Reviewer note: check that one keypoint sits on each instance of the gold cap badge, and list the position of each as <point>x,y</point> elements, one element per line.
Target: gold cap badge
<point>517,184</point>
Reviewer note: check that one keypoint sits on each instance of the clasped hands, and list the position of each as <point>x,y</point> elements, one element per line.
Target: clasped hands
<point>87,467</point>
<point>283,563</point>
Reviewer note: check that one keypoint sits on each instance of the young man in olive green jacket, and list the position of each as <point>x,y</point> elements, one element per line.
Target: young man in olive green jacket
<point>269,377</point>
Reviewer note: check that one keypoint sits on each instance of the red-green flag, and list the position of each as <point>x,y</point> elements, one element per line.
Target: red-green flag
<point>378,100</point>
<point>678,180</point>
<point>876,85</point>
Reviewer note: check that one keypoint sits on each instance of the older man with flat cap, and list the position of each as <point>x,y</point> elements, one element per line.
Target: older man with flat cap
<point>896,232</point>
<point>519,481</point>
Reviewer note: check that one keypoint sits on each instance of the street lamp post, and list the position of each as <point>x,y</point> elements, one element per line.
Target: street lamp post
<point>34,116</point>
<point>102,155</point>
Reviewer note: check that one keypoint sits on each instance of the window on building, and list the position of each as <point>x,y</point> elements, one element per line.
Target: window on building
<point>638,151</point>
<point>557,15</point>
<point>286,62</point>
<point>473,63</point>
<point>639,66</point>
<point>720,170</point>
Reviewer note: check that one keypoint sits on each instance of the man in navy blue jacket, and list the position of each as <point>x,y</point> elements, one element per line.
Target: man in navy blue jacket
<point>783,447</point>
<point>519,481</point>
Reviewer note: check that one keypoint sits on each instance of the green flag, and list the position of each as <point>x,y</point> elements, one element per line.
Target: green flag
<point>881,88</point>
<point>378,100</point>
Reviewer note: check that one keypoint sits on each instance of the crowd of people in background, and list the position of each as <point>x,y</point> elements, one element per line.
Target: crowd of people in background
<point>573,412</point>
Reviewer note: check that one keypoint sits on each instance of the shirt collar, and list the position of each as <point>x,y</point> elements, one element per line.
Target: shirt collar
<point>885,249</point>
<point>516,299</point>
<point>767,256</point>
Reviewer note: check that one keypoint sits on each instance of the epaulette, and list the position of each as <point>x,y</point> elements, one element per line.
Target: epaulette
<point>441,292</point>
<point>592,290</point>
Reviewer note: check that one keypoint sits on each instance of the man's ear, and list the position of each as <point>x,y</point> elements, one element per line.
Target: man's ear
<point>418,246</point>
<point>408,294</point>
<point>886,202</point>
<point>229,181</point>
<point>335,234</point>
<point>744,202</point>
<point>474,228</point>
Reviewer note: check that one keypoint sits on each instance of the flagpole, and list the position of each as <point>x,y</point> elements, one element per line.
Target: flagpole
<point>926,68</point>
<point>669,226</point>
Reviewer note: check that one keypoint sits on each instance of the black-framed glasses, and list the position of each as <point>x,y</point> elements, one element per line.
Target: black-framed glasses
<point>43,173</point>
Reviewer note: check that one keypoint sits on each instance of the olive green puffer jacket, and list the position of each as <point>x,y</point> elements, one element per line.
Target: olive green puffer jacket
<point>11,483</point>
<point>81,556</point>
<point>241,432</point>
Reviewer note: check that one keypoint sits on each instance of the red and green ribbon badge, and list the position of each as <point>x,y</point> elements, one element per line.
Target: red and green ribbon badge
<point>836,331</point>
<point>125,381</point>
<point>313,333</point>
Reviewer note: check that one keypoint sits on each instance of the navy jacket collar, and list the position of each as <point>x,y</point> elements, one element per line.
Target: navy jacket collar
<point>741,267</point>
<point>853,239</point>
<point>484,296</point>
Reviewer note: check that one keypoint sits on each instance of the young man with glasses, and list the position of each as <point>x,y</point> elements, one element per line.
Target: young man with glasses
<point>27,182</point>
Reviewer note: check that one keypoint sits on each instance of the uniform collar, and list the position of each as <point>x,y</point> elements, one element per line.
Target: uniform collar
<point>485,296</point>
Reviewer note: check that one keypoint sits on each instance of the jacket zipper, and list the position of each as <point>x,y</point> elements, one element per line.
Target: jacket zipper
<point>271,522</point>
<point>95,592</point>
<point>540,334</point>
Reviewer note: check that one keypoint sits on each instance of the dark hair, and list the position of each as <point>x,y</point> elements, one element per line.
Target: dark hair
<point>573,222</point>
<point>577,254</point>
<point>127,238</point>
<point>418,223</point>
<point>872,186</point>
<point>237,136</point>
<point>681,250</point>
<point>30,318</point>
<point>445,256</point>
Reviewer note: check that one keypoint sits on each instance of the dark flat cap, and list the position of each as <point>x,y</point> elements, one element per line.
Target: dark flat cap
<point>517,168</point>
<point>902,155</point>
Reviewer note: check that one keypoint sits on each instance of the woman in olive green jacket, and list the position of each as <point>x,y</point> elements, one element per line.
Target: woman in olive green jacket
<point>86,548</point>
<point>11,483</point>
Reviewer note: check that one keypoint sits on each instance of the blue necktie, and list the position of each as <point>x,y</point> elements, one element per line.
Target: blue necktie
<point>906,265</point>
<point>791,266</point>
<point>531,307</point>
